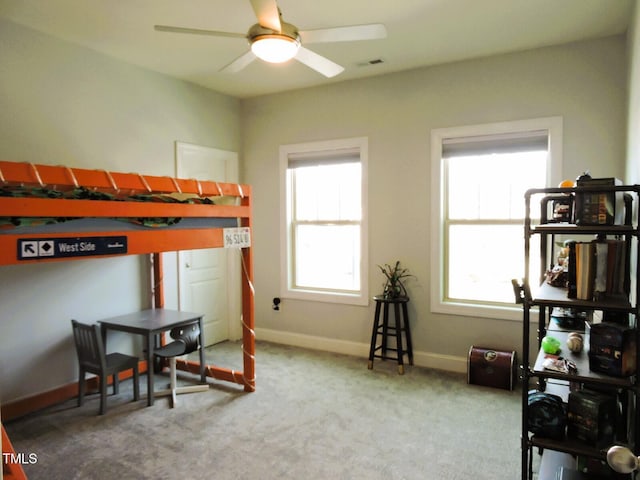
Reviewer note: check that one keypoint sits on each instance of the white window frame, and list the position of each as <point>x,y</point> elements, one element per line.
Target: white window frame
<point>553,125</point>
<point>310,148</point>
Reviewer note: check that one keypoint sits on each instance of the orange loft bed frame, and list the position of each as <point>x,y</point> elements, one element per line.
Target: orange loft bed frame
<point>19,245</point>
<point>11,467</point>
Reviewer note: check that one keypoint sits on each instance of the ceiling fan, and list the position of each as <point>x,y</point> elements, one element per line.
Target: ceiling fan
<point>274,40</point>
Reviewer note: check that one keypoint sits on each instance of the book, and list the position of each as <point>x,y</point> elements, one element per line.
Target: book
<point>613,257</point>
<point>601,250</point>
<point>585,270</point>
<point>617,258</point>
<point>597,269</point>
<point>571,271</point>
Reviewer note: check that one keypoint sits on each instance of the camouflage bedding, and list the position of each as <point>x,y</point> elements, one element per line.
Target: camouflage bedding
<point>81,193</point>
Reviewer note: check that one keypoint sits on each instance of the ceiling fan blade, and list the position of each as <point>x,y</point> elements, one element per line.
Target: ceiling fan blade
<point>318,63</point>
<point>196,31</point>
<point>239,63</point>
<point>345,34</point>
<point>268,14</point>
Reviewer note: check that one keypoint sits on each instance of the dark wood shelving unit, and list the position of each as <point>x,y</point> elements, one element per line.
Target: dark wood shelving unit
<point>558,453</point>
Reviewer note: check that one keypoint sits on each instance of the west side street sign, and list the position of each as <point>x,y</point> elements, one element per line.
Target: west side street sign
<point>41,248</point>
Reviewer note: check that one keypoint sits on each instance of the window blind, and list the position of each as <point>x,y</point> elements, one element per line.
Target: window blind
<point>327,157</point>
<point>500,143</point>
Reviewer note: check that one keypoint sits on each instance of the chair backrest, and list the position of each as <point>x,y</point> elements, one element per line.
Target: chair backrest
<point>190,335</point>
<point>89,345</point>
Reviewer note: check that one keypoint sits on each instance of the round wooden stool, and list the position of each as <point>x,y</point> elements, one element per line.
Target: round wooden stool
<point>383,329</point>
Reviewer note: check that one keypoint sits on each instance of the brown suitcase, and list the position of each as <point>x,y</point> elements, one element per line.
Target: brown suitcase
<point>491,368</point>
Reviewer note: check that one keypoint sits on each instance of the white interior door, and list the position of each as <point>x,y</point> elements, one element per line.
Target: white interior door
<point>207,277</point>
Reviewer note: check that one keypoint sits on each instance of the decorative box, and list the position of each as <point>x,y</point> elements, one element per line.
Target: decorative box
<point>598,208</point>
<point>591,417</point>
<point>612,349</point>
<point>491,368</point>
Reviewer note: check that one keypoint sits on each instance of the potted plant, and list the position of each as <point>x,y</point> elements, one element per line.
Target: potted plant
<point>395,277</point>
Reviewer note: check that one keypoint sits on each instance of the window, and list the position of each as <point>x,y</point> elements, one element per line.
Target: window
<point>324,244</point>
<point>480,176</point>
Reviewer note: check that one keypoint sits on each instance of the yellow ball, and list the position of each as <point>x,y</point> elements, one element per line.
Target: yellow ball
<point>567,184</point>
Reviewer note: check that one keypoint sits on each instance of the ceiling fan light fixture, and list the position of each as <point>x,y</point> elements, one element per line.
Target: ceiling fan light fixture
<point>276,48</point>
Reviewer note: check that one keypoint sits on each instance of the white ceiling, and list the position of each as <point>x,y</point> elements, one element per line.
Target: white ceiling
<point>420,33</point>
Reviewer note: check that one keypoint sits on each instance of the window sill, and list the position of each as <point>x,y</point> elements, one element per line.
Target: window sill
<point>329,297</point>
<point>513,314</point>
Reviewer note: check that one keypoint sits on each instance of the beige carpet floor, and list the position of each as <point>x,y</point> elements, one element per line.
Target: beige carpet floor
<point>314,415</point>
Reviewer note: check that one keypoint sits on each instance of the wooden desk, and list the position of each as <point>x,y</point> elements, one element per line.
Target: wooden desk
<point>149,324</point>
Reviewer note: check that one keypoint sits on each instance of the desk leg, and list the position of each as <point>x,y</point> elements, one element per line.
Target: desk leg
<point>203,377</point>
<point>150,367</point>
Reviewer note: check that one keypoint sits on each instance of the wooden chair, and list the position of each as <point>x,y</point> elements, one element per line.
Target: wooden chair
<point>92,359</point>
<point>186,340</point>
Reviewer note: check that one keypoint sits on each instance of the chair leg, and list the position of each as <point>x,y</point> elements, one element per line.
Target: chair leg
<point>116,383</point>
<point>374,335</point>
<point>81,384</point>
<point>174,382</point>
<point>103,394</point>
<point>399,347</point>
<point>407,331</point>
<point>136,383</point>
<point>174,390</point>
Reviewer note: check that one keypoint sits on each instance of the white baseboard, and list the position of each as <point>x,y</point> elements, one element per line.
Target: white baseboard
<point>437,361</point>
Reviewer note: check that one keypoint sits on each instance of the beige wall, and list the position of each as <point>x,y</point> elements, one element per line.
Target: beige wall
<point>582,82</point>
<point>61,104</point>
